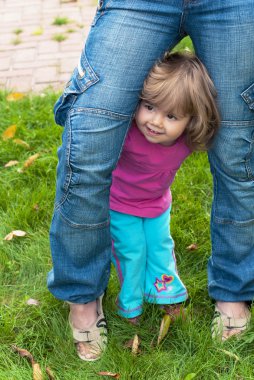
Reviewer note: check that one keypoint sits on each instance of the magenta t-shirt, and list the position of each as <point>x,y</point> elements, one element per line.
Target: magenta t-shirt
<point>144,173</point>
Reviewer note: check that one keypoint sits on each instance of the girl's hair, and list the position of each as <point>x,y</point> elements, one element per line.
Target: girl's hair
<point>180,84</point>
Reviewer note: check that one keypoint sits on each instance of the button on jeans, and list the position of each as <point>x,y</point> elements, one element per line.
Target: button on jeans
<point>96,109</point>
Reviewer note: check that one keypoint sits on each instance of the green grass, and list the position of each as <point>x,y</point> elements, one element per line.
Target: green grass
<point>26,203</point>
<point>59,21</point>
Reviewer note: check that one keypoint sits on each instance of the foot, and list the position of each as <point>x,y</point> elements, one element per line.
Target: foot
<point>230,319</point>
<point>89,329</point>
<point>175,311</point>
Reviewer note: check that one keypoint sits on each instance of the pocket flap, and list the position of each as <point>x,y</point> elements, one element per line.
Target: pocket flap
<point>248,96</point>
<point>82,77</point>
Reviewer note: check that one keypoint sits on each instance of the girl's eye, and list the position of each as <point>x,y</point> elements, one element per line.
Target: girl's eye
<point>149,107</point>
<point>171,117</point>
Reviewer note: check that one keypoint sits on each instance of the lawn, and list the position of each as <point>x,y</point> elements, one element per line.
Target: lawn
<point>32,319</point>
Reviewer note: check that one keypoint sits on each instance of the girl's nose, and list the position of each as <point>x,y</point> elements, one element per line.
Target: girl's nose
<point>158,120</point>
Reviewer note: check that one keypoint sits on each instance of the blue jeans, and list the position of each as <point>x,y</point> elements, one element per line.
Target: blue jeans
<point>143,255</point>
<point>96,109</point>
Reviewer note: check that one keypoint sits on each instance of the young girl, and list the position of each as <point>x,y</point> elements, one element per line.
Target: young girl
<point>177,114</point>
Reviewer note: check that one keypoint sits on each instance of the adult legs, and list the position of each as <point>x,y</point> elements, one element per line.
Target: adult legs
<point>96,109</point>
<point>223,37</point>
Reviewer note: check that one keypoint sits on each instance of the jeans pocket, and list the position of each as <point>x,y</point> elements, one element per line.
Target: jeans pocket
<point>82,78</point>
<point>248,96</point>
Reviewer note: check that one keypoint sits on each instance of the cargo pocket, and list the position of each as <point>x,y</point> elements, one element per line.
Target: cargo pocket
<point>248,97</point>
<point>82,78</point>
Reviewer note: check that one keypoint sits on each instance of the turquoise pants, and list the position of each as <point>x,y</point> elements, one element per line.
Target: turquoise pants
<point>143,255</point>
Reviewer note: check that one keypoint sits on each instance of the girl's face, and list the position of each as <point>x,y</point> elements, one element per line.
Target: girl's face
<point>158,126</point>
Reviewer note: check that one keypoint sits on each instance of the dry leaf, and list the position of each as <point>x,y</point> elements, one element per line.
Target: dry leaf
<point>9,133</point>
<point>14,96</point>
<point>192,247</point>
<point>23,353</point>
<point>11,163</point>
<point>30,160</point>
<point>37,374</point>
<point>165,323</point>
<point>36,207</point>
<point>32,301</point>
<point>13,234</point>
<point>22,143</point>
<point>50,374</point>
<point>135,345</point>
<point>109,374</point>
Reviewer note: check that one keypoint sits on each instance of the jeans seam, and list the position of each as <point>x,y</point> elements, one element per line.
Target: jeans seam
<point>84,226</point>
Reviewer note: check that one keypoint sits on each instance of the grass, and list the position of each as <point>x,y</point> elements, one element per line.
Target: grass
<point>59,21</point>
<point>26,203</point>
<point>59,37</point>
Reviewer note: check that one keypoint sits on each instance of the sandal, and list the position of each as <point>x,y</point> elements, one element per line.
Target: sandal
<point>222,323</point>
<point>94,340</point>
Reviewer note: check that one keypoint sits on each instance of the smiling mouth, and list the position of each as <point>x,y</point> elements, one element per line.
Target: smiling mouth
<point>153,132</point>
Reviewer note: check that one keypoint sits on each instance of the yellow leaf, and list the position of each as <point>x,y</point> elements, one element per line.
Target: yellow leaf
<point>9,133</point>
<point>135,345</point>
<point>13,234</point>
<point>110,374</point>
<point>11,163</point>
<point>37,374</point>
<point>192,247</point>
<point>30,160</point>
<point>50,374</point>
<point>14,96</point>
<point>22,143</point>
<point>165,323</point>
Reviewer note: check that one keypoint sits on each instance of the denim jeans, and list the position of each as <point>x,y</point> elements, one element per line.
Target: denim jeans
<point>96,108</point>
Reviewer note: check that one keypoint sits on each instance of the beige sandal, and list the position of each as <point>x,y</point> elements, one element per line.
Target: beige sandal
<point>222,323</point>
<point>91,343</point>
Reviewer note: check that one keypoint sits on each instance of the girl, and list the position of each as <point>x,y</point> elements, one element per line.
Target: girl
<point>177,114</point>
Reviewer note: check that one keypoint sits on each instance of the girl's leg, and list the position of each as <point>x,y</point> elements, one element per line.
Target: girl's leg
<point>163,284</point>
<point>129,259</point>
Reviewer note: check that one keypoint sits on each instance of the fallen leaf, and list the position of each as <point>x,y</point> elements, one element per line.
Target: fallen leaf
<point>32,301</point>
<point>50,374</point>
<point>190,376</point>
<point>135,345</point>
<point>13,234</point>
<point>30,160</point>
<point>37,374</point>
<point>229,353</point>
<point>192,247</point>
<point>9,133</point>
<point>23,353</point>
<point>11,163</point>
<point>165,323</point>
<point>14,96</point>
<point>22,143</point>
<point>109,374</point>
<point>36,207</point>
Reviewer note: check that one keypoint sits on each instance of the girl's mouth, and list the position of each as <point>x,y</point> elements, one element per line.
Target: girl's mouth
<point>152,132</point>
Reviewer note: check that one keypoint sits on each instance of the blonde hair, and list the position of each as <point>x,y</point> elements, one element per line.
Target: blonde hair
<point>180,84</point>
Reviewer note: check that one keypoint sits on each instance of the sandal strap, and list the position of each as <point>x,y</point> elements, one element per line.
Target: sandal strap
<point>93,334</point>
<point>222,323</point>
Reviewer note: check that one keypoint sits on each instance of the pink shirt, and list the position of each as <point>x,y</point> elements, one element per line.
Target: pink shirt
<point>143,175</point>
